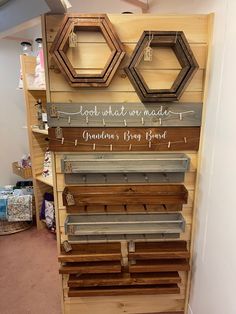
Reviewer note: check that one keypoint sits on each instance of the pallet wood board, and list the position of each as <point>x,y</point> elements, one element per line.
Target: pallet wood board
<point>126,290</point>
<point>124,224</point>
<point>91,253</point>
<point>159,250</point>
<point>123,139</point>
<point>162,265</point>
<point>126,195</point>
<point>95,280</point>
<point>118,115</point>
<point>90,267</point>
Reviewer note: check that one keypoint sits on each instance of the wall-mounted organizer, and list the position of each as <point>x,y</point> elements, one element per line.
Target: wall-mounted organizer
<point>177,41</point>
<point>124,168</point>
<point>134,269</point>
<point>105,142</point>
<point>128,115</point>
<point>123,139</point>
<point>76,23</point>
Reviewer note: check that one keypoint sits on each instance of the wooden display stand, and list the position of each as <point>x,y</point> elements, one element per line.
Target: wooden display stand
<point>37,143</point>
<point>173,298</point>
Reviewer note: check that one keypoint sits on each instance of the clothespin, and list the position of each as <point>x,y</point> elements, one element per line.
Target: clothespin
<point>69,120</point>
<point>185,140</point>
<point>87,120</point>
<point>150,144</point>
<point>169,144</point>
<point>142,121</point>
<point>103,122</point>
<point>111,147</point>
<point>76,142</point>
<point>160,121</point>
<point>58,132</point>
<point>53,111</point>
<point>62,141</point>
<point>130,147</point>
<point>180,116</point>
<point>94,146</point>
<point>125,123</point>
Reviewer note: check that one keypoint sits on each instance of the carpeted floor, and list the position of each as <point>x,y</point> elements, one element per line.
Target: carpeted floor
<point>29,280</point>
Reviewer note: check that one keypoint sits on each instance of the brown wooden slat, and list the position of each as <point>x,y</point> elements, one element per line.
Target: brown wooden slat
<point>92,253</point>
<point>86,139</point>
<point>159,266</point>
<point>127,195</point>
<point>90,268</point>
<point>125,290</point>
<point>95,280</point>
<point>160,250</point>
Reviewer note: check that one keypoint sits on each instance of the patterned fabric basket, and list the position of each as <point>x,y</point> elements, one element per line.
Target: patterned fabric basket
<point>7,227</point>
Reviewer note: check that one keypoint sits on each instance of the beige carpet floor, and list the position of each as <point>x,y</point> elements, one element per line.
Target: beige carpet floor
<point>29,280</point>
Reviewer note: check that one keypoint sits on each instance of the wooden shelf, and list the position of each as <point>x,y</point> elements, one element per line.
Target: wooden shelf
<point>37,130</point>
<point>47,180</point>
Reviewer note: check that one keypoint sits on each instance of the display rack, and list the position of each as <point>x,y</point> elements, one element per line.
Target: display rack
<point>37,142</point>
<point>96,274</point>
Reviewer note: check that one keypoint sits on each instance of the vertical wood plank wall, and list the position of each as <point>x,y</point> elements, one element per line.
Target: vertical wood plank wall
<point>129,28</point>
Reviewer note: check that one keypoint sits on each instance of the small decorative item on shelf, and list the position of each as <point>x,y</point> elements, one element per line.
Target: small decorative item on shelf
<point>27,51</point>
<point>40,114</point>
<point>47,212</point>
<point>39,79</point>
<point>47,165</point>
<point>23,167</point>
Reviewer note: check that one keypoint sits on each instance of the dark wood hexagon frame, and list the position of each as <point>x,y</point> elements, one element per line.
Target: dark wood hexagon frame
<point>87,22</point>
<point>179,44</point>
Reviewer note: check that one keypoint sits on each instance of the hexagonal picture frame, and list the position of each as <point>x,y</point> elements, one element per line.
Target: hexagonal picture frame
<point>87,22</point>
<point>175,40</point>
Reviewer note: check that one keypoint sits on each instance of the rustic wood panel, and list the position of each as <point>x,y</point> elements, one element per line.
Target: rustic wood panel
<point>91,253</point>
<point>90,268</point>
<point>126,290</point>
<point>123,279</point>
<point>117,115</point>
<point>124,139</point>
<point>159,250</point>
<point>126,195</point>
<point>142,266</point>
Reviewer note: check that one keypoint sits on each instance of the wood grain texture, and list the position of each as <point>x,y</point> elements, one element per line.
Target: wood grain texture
<point>123,279</point>
<point>120,139</point>
<point>162,265</point>
<point>126,290</point>
<point>127,195</point>
<point>92,253</point>
<point>90,267</point>
<point>114,115</point>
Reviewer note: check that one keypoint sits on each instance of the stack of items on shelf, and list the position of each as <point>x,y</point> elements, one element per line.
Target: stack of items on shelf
<point>47,212</point>
<point>17,202</point>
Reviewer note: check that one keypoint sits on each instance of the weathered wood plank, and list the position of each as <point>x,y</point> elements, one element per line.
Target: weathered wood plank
<point>124,224</point>
<point>126,195</point>
<point>95,280</point>
<point>127,290</point>
<point>91,253</point>
<point>90,268</point>
<point>159,265</point>
<point>195,27</point>
<point>124,139</point>
<point>120,115</point>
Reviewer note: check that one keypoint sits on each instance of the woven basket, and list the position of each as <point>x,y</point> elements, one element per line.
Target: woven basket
<point>7,227</point>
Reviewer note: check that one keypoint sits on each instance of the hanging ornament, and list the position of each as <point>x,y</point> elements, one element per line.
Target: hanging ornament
<point>148,51</point>
<point>73,38</point>
<point>47,164</point>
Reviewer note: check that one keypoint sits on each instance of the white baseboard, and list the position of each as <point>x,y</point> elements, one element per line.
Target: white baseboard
<point>190,310</point>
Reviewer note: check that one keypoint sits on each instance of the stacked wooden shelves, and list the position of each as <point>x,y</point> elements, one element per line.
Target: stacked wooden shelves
<point>110,264</point>
<point>37,142</point>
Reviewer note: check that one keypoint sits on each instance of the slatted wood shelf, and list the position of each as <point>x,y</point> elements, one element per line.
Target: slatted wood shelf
<point>124,224</point>
<point>121,237</point>
<point>46,180</point>
<point>162,265</point>
<point>126,195</point>
<point>90,268</point>
<point>125,290</point>
<point>136,208</point>
<point>160,250</point>
<point>94,280</point>
<point>91,253</point>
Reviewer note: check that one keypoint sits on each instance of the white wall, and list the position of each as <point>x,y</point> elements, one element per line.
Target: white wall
<point>13,137</point>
